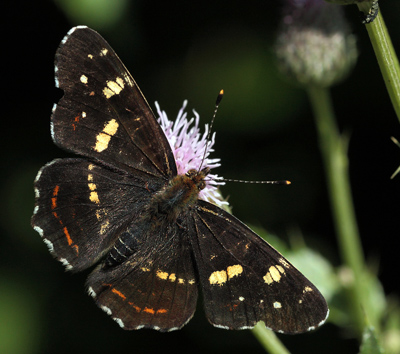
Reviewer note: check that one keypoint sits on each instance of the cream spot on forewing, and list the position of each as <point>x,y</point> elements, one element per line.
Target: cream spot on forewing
<point>284,262</point>
<point>234,270</point>
<point>90,56</point>
<point>128,79</point>
<point>113,87</point>
<point>94,197</point>
<point>307,289</point>
<point>268,279</point>
<point>274,274</point>
<point>84,79</point>
<point>103,138</point>
<point>218,277</point>
<point>162,275</point>
<point>277,305</point>
<point>104,227</point>
<point>280,268</point>
<point>104,51</point>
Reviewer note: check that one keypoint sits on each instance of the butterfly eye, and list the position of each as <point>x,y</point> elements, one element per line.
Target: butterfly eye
<point>191,173</point>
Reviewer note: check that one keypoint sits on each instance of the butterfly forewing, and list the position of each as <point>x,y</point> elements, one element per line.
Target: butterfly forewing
<point>103,114</point>
<point>245,280</point>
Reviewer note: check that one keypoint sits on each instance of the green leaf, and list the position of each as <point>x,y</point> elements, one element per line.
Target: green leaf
<point>370,343</point>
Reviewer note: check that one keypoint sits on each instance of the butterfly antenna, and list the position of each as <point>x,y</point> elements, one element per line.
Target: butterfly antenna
<point>286,182</point>
<point>217,102</point>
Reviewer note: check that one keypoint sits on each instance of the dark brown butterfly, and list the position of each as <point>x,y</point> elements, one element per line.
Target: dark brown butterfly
<point>125,207</point>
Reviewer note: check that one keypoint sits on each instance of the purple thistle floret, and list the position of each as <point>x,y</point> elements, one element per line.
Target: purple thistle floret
<point>189,146</point>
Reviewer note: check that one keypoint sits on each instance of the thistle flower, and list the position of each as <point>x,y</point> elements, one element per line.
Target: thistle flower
<point>190,147</point>
<point>315,45</point>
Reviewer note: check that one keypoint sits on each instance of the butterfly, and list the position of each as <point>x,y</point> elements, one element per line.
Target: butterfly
<point>123,207</point>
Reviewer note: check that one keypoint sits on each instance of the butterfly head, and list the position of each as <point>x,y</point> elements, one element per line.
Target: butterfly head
<point>198,177</point>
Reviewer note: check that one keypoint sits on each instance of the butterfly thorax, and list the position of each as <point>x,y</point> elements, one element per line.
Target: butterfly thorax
<point>179,195</point>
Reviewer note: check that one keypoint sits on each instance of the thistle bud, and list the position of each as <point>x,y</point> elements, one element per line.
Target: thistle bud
<point>346,2</point>
<point>314,45</point>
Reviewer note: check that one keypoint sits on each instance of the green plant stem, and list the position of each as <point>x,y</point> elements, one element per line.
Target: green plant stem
<point>269,340</point>
<point>385,54</point>
<point>334,153</point>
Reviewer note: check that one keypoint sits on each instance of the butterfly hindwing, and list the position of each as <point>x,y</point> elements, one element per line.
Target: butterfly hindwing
<point>245,280</point>
<point>156,287</point>
<point>103,114</point>
<point>81,207</point>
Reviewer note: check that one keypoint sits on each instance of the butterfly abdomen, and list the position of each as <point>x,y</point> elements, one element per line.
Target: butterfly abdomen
<point>124,247</point>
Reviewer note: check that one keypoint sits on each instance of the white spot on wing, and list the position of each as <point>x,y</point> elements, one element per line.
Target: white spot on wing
<point>65,263</point>
<point>52,131</point>
<point>49,245</point>
<point>38,230</point>
<point>106,310</point>
<point>277,305</point>
<point>56,77</point>
<point>84,79</point>
<point>220,326</point>
<point>119,321</point>
<point>38,175</point>
<point>91,292</point>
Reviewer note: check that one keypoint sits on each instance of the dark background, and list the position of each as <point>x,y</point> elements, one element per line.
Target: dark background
<point>190,50</point>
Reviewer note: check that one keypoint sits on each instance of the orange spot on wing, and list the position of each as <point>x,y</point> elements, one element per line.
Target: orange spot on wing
<point>76,249</point>
<point>152,311</point>
<point>54,199</point>
<point>117,292</point>
<point>76,120</point>
<point>67,235</point>
<point>146,309</point>
<point>137,308</point>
